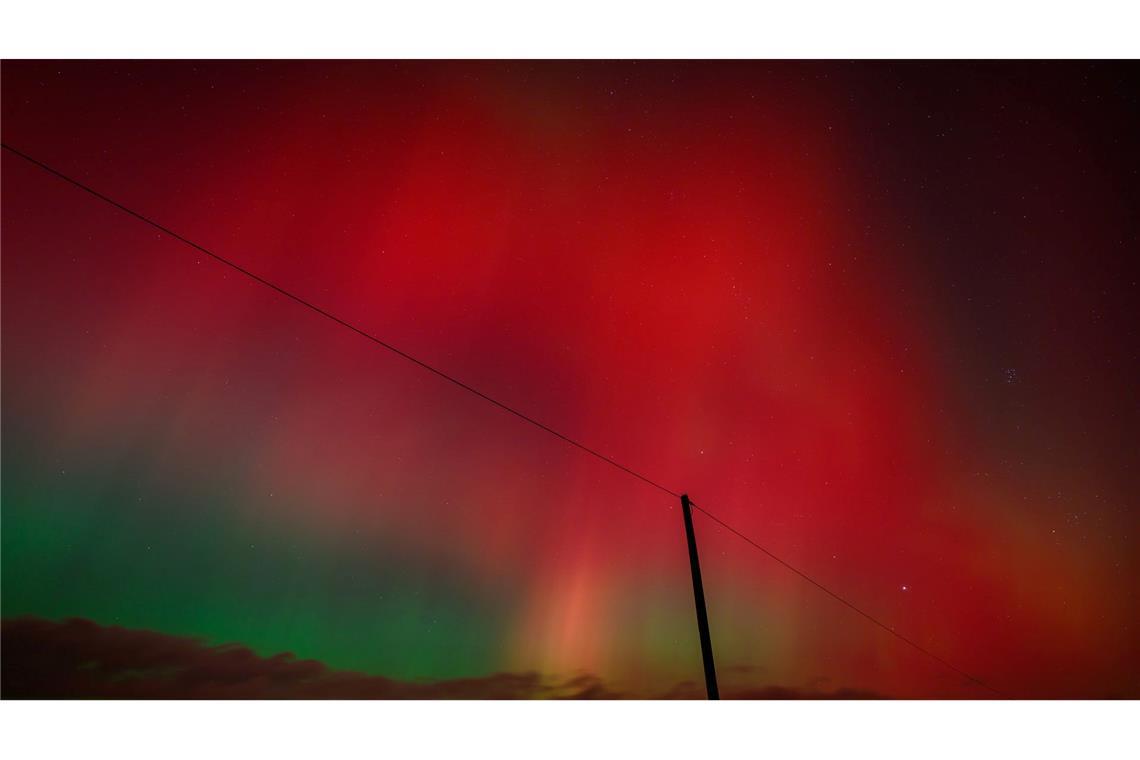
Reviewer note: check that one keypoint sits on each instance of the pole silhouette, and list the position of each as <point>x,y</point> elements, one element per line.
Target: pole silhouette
<point>699,599</point>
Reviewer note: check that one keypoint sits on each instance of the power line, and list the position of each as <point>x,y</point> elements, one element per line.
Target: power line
<point>359,331</point>
<point>313,307</point>
<point>843,601</point>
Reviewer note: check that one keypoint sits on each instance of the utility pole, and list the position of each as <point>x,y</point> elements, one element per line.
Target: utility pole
<point>699,598</point>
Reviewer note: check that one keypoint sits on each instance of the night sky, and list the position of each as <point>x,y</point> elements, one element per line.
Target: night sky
<point>881,317</point>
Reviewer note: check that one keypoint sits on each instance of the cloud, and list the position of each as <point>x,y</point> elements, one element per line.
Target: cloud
<point>75,658</point>
<point>694,690</point>
<point>783,692</point>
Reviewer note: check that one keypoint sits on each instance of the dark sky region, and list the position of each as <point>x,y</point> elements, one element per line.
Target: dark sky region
<point>879,316</point>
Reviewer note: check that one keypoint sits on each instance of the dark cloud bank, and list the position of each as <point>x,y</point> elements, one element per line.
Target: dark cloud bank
<point>79,659</point>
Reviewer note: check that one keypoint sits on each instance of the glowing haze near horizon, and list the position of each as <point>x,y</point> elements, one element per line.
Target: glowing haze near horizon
<point>876,316</point>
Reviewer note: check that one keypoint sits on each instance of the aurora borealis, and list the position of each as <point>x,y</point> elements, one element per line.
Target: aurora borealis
<point>879,316</point>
